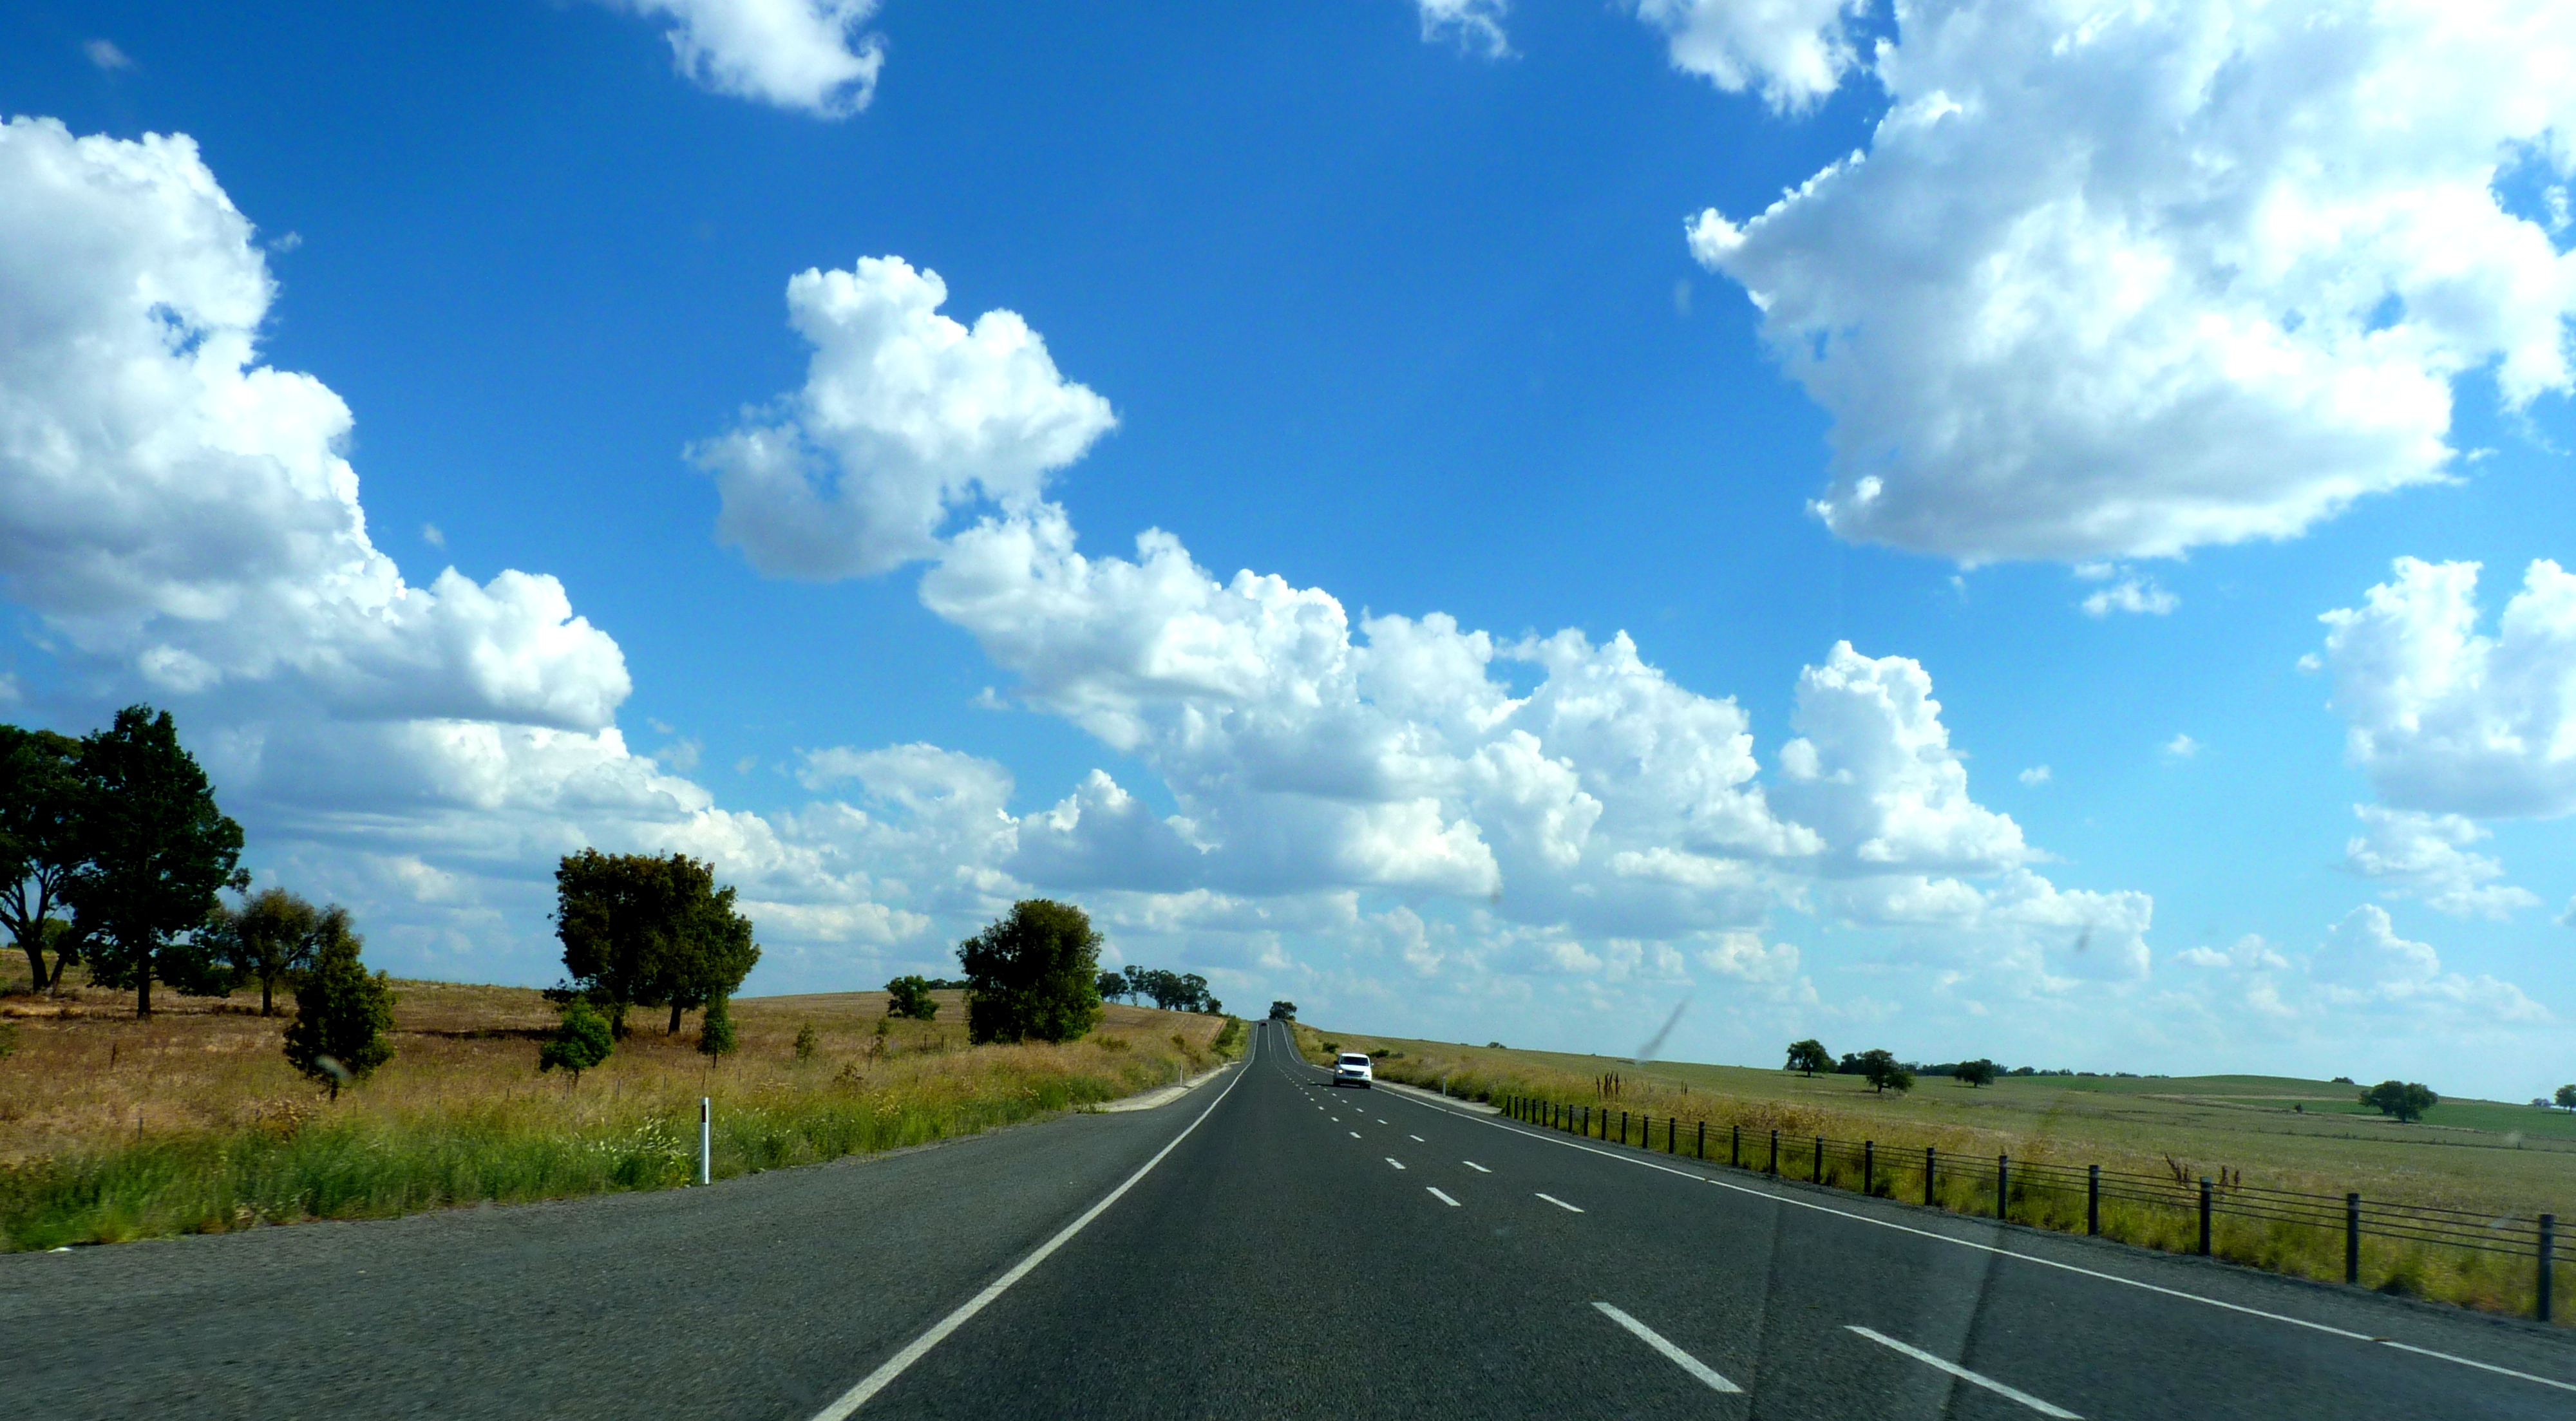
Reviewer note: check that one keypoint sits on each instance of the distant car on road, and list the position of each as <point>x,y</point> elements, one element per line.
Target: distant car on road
<point>1352,1068</point>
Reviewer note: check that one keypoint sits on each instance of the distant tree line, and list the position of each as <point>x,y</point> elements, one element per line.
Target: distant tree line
<point>1809,1056</point>
<point>1172,991</point>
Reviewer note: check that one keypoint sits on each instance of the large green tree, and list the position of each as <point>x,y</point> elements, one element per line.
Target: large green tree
<point>1809,1056</point>
<point>1033,975</point>
<point>1884,1072</point>
<point>342,1012</point>
<point>153,851</point>
<point>646,930</point>
<point>2407,1100</point>
<point>39,846</point>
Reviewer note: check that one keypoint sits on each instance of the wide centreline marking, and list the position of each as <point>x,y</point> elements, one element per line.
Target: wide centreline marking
<point>1963,1374</point>
<point>895,1366</point>
<point>1673,1354</point>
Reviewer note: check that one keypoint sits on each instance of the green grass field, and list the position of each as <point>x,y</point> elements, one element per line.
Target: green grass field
<point>2312,1137</point>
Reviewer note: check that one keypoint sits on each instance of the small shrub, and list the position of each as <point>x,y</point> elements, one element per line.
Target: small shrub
<point>341,1012</point>
<point>582,1040</point>
<point>806,1042</point>
<point>715,1032</point>
<point>1112,1043</point>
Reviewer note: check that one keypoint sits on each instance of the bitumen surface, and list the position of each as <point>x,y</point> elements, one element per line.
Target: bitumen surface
<point>1289,1249</point>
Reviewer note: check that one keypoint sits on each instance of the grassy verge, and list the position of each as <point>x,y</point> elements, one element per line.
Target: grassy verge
<point>191,1123</point>
<point>2245,1126</point>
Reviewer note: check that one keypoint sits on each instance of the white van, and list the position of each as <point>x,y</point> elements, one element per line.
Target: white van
<point>1352,1068</point>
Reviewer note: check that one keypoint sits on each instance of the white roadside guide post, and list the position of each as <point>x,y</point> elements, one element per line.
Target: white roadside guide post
<point>706,1138</point>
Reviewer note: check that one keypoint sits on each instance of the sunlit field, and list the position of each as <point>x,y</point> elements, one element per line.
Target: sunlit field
<point>113,1128</point>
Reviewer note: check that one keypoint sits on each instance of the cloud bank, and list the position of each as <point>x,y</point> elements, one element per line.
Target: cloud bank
<point>807,55</point>
<point>2121,283</point>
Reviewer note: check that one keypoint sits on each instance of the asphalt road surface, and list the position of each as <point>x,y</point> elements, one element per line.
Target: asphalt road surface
<point>1266,1246</point>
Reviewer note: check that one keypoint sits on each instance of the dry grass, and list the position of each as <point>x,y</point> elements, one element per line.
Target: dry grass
<point>114,1128</point>
<point>2201,1125</point>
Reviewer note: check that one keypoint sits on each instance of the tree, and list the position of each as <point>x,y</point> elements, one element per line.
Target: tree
<point>269,938</point>
<point>2567,1097</point>
<point>1112,984</point>
<point>153,849</point>
<point>1033,974</point>
<point>2407,1100</point>
<point>1283,1011</point>
<point>582,1040</point>
<point>715,1030</point>
<point>910,996</point>
<point>341,1012</point>
<point>1136,983</point>
<point>641,930</point>
<point>1885,1073</point>
<point>39,845</point>
<point>1808,1057</point>
<point>1976,1073</point>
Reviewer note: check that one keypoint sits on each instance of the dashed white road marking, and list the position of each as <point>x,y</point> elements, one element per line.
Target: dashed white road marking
<point>1556,1201</point>
<point>1417,1139</point>
<point>1673,1354</point>
<point>1443,1198</point>
<point>1963,1374</point>
<point>1471,1164</point>
<point>1355,1134</point>
<point>1399,1164</point>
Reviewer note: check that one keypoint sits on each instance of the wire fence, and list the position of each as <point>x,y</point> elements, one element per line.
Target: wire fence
<point>2046,1194</point>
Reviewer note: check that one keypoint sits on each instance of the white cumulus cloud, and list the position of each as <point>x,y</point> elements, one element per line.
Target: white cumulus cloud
<point>1794,52</point>
<point>2428,856</point>
<point>796,54</point>
<point>2125,282</point>
<point>2447,719</point>
<point>905,416</point>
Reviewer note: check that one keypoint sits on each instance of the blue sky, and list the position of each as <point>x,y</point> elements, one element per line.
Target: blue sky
<point>1424,312</point>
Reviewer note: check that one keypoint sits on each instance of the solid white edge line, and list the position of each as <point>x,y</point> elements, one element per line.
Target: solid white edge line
<point>1673,1354</point>
<point>1963,1374</point>
<point>894,1366</point>
<point>2158,1288</point>
<point>1443,1198</point>
<point>1471,1164</point>
<point>1560,1204</point>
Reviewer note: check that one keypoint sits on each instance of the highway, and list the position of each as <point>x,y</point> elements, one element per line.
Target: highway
<point>1265,1246</point>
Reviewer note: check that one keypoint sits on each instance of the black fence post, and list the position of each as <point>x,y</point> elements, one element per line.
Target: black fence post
<point>1819,1175</point>
<point>2003,1183</point>
<point>2093,1200</point>
<point>2352,1239</point>
<point>1868,1167</point>
<point>1735,1147</point>
<point>1931,1162</point>
<point>1775,1154</point>
<point>1672,1128</point>
<point>1623,1127</point>
<point>2548,1259</point>
<point>2204,1216</point>
<point>1700,1150</point>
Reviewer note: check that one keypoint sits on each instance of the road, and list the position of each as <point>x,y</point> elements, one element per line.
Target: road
<point>1265,1246</point>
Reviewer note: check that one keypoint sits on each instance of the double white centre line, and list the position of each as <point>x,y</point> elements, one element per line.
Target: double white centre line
<point>1963,1374</point>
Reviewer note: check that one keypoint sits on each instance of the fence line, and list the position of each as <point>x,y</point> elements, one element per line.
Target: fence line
<point>1821,1159</point>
